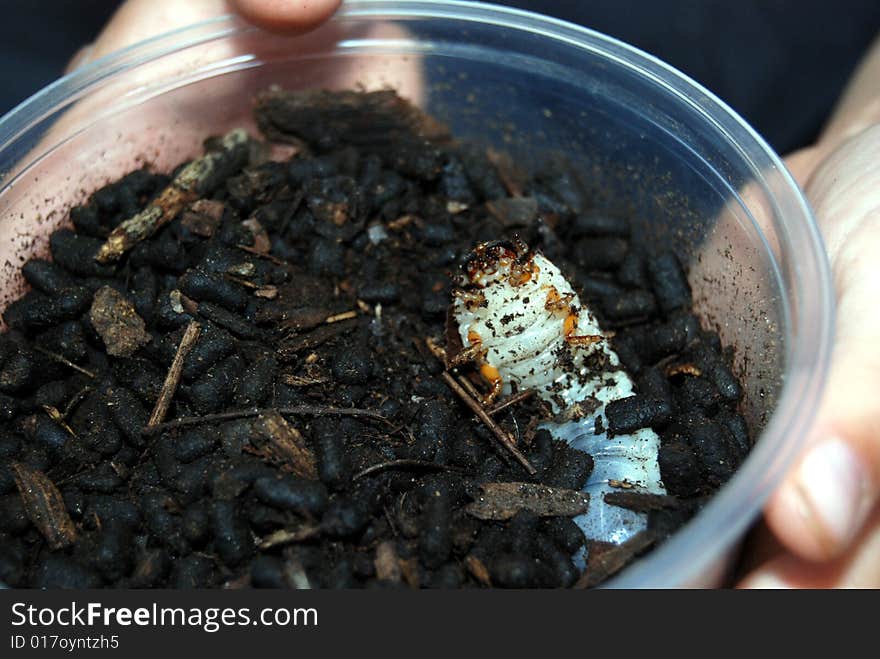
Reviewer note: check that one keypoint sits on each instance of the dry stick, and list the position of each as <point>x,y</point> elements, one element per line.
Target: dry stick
<point>190,336</point>
<point>402,464</point>
<point>469,387</point>
<point>65,361</point>
<point>309,410</point>
<point>263,255</point>
<point>468,393</point>
<point>497,430</point>
<point>512,400</point>
<point>345,315</point>
<point>194,180</point>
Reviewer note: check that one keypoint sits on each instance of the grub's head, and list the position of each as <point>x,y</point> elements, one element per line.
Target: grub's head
<point>509,261</point>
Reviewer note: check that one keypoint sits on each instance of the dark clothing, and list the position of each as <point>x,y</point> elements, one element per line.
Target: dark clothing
<point>780,64</point>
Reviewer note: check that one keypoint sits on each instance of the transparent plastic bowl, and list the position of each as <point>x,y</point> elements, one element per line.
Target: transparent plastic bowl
<point>646,140</point>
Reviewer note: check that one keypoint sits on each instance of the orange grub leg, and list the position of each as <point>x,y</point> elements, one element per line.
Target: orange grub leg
<point>493,377</point>
<point>569,325</point>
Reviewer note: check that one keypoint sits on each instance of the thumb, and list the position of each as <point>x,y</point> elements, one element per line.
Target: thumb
<point>825,501</point>
<point>286,15</point>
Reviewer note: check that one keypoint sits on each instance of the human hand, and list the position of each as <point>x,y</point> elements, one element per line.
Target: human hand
<point>826,514</point>
<point>136,20</point>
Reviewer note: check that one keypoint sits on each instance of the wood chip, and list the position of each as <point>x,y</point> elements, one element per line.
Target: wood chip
<point>262,244</point>
<point>500,501</point>
<point>283,537</point>
<point>192,181</point>
<point>289,346</point>
<point>58,418</point>
<point>282,444</point>
<point>606,560</point>
<point>203,217</point>
<point>477,569</point>
<point>410,569</point>
<point>302,380</point>
<point>387,562</point>
<point>296,320</point>
<point>641,501</point>
<point>338,317</point>
<point>115,320</point>
<point>683,369</point>
<point>172,378</point>
<point>514,211</point>
<point>44,506</point>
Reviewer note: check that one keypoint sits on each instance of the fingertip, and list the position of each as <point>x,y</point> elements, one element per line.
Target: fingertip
<point>789,518</point>
<point>764,579</point>
<point>823,503</point>
<point>288,16</point>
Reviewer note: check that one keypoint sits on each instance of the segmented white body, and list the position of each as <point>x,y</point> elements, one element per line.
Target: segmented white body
<point>525,324</point>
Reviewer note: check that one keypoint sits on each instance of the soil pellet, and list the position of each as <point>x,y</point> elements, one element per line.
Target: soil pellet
<point>632,272</point>
<point>204,287</point>
<point>600,253</point>
<point>630,304</point>
<point>598,224</point>
<point>669,282</point>
<point>46,276</point>
<point>629,414</point>
<point>598,288</point>
<point>679,468</point>
<point>192,571</point>
<point>291,493</point>
<point>76,254</point>
<point>232,538</point>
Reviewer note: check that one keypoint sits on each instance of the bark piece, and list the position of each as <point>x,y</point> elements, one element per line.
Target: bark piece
<point>194,180</point>
<point>115,320</point>
<point>44,506</point>
<point>500,501</point>
<point>283,445</point>
<point>387,562</point>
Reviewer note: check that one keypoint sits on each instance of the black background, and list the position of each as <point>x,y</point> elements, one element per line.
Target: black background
<point>779,63</point>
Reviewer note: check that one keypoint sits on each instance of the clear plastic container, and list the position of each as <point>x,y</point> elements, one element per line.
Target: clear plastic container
<point>646,139</point>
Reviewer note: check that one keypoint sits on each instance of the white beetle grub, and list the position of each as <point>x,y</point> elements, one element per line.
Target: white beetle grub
<point>523,325</point>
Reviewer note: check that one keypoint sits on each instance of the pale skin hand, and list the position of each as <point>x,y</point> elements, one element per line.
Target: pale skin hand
<point>136,20</point>
<point>826,515</point>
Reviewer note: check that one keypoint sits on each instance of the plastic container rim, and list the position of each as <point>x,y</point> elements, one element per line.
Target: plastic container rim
<point>726,516</point>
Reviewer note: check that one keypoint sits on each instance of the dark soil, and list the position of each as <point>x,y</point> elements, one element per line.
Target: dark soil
<point>288,305</point>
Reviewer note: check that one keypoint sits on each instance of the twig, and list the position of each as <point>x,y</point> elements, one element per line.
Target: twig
<point>345,315</point>
<point>308,410</point>
<point>263,255</point>
<point>469,387</point>
<point>75,400</point>
<point>58,418</point>
<point>402,464</point>
<point>497,430</point>
<point>194,180</point>
<point>190,336</point>
<point>65,361</point>
<point>285,537</point>
<point>510,400</point>
<point>468,393</point>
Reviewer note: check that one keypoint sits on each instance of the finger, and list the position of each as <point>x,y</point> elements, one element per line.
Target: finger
<point>286,15</point>
<point>802,163</point>
<point>823,503</point>
<point>857,568</point>
<point>136,20</point>
<point>859,106</point>
<point>82,56</point>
